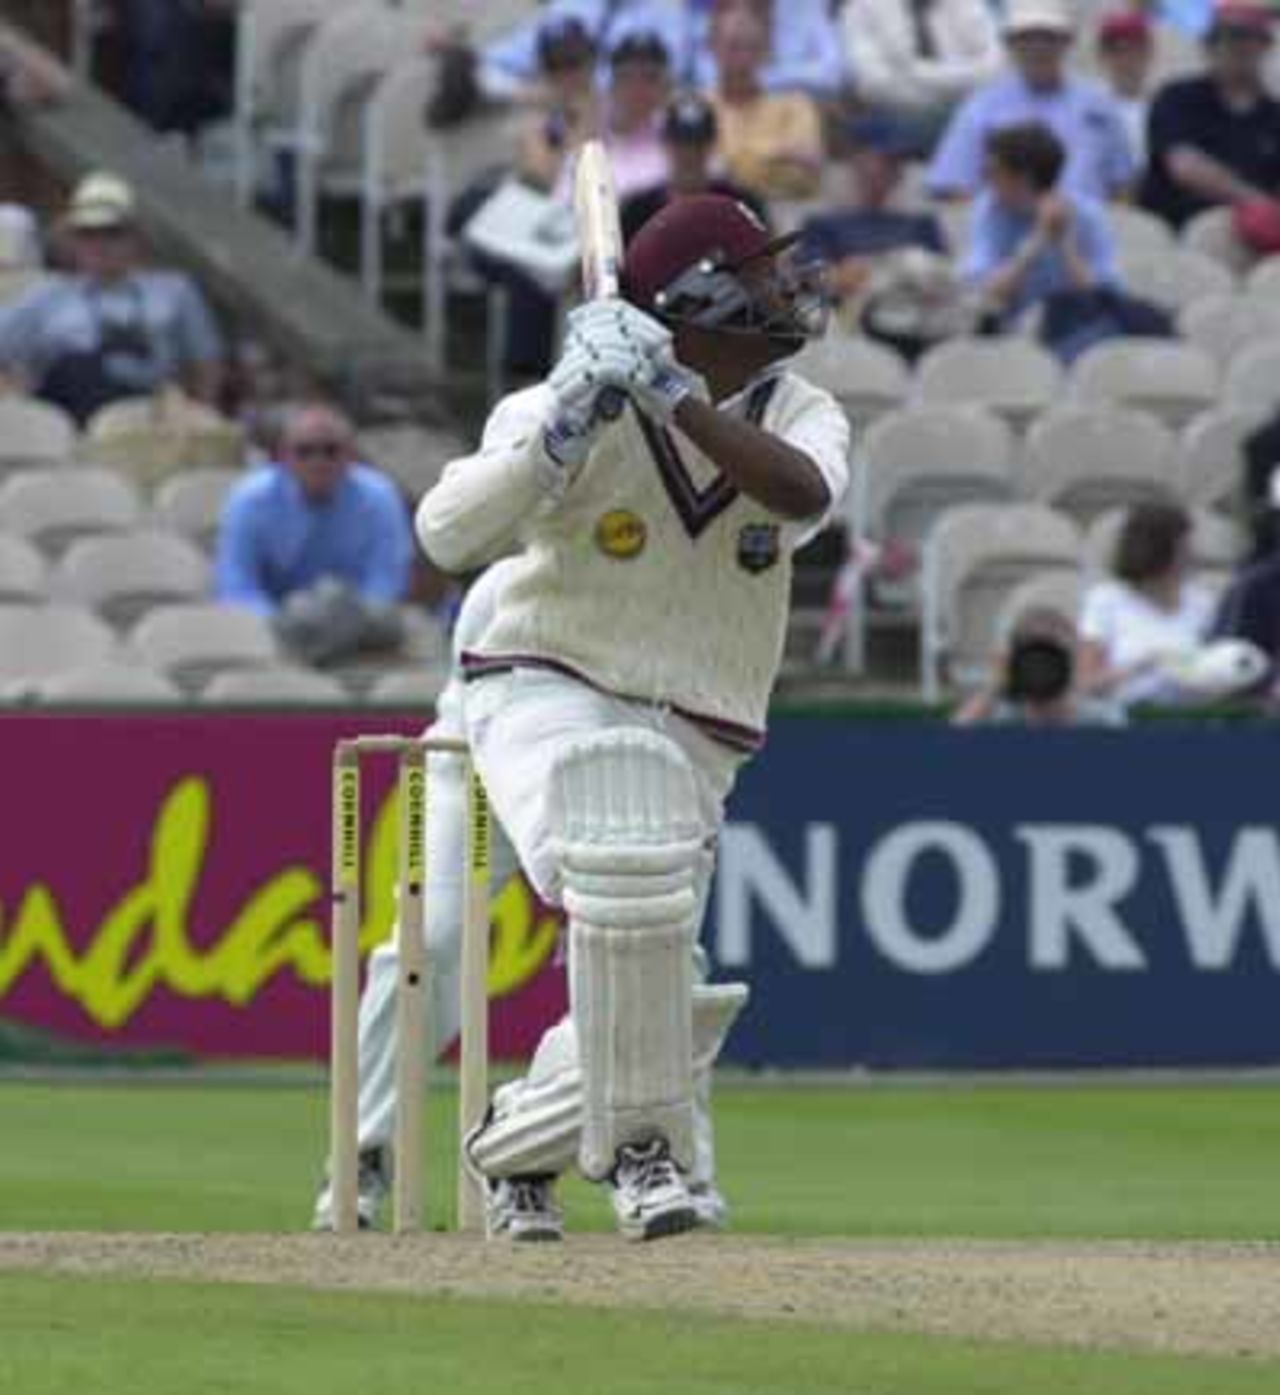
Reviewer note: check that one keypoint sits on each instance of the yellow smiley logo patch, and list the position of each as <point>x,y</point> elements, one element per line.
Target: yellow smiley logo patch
<point>621,534</point>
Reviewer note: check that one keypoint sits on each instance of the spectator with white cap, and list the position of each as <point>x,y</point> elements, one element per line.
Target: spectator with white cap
<point>1080,112</point>
<point>111,329</point>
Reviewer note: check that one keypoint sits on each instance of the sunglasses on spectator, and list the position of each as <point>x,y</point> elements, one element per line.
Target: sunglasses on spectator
<point>317,450</point>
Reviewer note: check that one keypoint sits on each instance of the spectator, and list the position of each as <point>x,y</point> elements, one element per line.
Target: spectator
<point>771,142</point>
<point>920,58</point>
<point>803,45</point>
<point>852,237</point>
<point>565,111</point>
<point>1029,238</point>
<point>1126,53</point>
<point>689,137</point>
<point>1215,138</point>
<point>180,61</point>
<point>1034,684</point>
<point>1147,615</point>
<point>1080,112</point>
<point>110,330</point>
<point>1261,470</point>
<point>804,53</point>
<point>1251,608</point>
<point>317,542</point>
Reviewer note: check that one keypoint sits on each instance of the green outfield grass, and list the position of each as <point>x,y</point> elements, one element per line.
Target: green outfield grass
<point>64,1336</point>
<point>1161,1161</point>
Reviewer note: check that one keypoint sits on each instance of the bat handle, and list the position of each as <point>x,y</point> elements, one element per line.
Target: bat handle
<point>610,403</point>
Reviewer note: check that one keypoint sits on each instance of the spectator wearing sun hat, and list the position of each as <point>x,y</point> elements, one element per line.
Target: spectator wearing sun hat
<point>1038,35</point>
<point>111,329</point>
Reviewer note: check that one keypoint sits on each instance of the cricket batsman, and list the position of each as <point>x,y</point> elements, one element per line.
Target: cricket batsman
<point>626,669</point>
<point>555,1067</point>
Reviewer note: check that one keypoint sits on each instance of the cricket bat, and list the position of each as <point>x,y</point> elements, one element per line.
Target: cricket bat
<point>595,208</point>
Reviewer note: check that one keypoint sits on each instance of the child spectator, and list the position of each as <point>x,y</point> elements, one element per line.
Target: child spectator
<point>1030,239</point>
<point>1147,613</point>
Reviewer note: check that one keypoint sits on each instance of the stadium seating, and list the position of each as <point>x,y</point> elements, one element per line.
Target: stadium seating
<point>1173,278</point>
<point>191,503</point>
<point>1210,456</point>
<point>111,681</point>
<point>1252,379</point>
<point>33,435</point>
<point>1217,544</point>
<point>1059,591</point>
<point>38,642</point>
<point>1223,323</point>
<point>53,507</point>
<point>191,643</point>
<point>1212,234</point>
<point>24,572</point>
<point>1170,379</point>
<point>123,576</point>
<point>867,378</point>
<point>1012,377</point>
<point>1264,278</point>
<point>147,439</point>
<point>974,555</point>
<point>1083,460</point>
<point>1138,233</point>
<point>276,684</point>
<point>419,686</point>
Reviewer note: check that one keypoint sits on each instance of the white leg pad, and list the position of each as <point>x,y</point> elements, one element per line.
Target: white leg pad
<point>536,1125</point>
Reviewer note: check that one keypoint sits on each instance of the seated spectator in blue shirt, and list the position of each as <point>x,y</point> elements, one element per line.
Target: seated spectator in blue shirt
<point>1029,238</point>
<point>1081,113</point>
<point>851,237</point>
<point>111,329</point>
<point>317,542</point>
<point>1214,138</point>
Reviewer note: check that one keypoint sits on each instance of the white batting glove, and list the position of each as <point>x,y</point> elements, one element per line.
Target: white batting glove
<point>661,385</point>
<point>576,383</point>
<point>601,325</point>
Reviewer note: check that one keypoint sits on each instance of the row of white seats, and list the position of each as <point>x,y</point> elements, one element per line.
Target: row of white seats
<point>914,462</point>
<point>191,643</point>
<point>983,565</point>
<point>1020,380</point>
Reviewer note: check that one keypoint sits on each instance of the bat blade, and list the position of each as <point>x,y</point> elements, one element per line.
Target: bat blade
<point>595,206</point>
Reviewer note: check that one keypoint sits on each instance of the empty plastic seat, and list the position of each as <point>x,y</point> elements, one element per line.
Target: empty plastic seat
<point>1252,379</point>
<point>147,439</point>
<point>191,643</point>
<point>40,641</point>
<point>112,682</point>
<point>192,502</point>
<point>24,573</point>
<point>409,687</point>
<point>284,684</point>
<point>123,575</point>
<point>411,455</point>
<point>1212,234</point>
<point>1173,278</point>
<point>1173,380</point>
<point>1264,279</point>
<point>1086,460</point>
<point>974,555</point>
<point>1138,233</point>
<point>54,507</point>
<point>33,434</point>
<point>1211,455</point>
<point>1223,324</point>
<point>1014,377</point>
<point>866,378</point>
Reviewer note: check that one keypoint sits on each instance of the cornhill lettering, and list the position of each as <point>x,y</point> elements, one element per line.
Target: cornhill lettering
<point>416,793</point>
<point>142,945</point>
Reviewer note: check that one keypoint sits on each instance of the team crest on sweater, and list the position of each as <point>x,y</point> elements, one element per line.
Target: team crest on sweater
<point>759,546</point>
<point>621,534</point>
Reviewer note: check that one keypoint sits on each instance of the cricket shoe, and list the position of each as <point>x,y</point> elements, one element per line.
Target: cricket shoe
<point>373,1182</point>
<point>522,1210</point>
<point>709,1203</point>
<point>650,1196</point>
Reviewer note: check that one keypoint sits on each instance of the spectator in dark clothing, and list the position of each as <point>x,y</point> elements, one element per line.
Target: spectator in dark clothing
<point>689,136</point>
<point>1215,138</point>
<point>181,61</point>
<point>1262,488</point>
<point>851,237</point>
<point>1251,610</point>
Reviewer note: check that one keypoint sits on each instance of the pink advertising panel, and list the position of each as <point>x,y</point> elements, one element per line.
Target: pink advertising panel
<point>164,883</point>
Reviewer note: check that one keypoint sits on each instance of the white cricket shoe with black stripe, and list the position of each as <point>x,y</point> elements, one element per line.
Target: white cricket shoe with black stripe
<point>523,1210</point>
<point>372,1185</point>
<point>650,1196</point>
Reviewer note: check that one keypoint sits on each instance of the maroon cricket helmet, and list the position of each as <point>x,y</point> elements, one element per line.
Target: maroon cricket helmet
<point>691,229</point>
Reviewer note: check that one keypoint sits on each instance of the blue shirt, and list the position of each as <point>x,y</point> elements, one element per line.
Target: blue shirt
<point>806,53</point>
<point>274,541</point>
<point>996,232</point>
<point>1083,116</point>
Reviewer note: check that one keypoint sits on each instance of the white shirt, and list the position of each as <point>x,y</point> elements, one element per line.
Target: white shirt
<point>1128,628</point>
<point>650,576</point>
